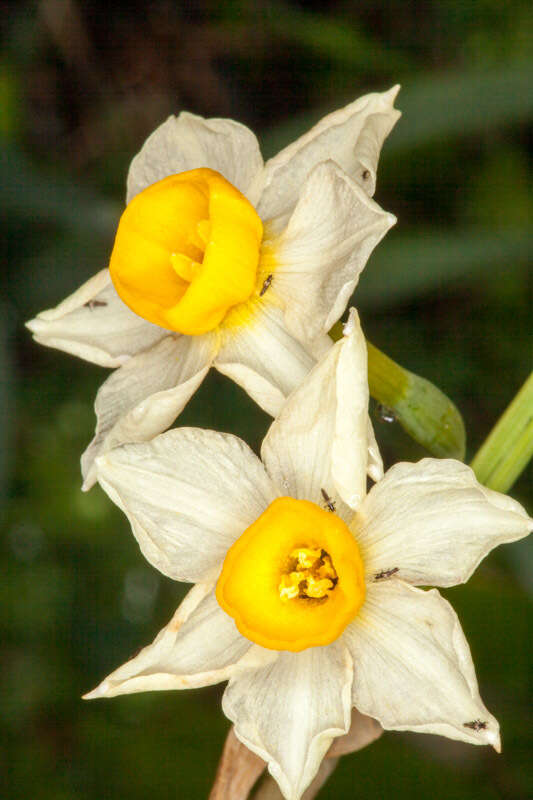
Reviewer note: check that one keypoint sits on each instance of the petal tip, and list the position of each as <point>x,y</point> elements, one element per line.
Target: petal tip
<point>351,323</point>
<point>495,740</point>
<point>393,91</point>
<point>89,481</point>
<point>100,691</point>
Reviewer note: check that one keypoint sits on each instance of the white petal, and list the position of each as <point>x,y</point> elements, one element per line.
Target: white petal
<point>289,712</point>
<point>413,668</point>
<point>318,348</point>
<point>94,324</point>
<point>263,357</point>
<point>189,142</point>
<point>145,396</point>
<point>433,522</point>
<point>199,646</point>
<point>319,440</point>
<point>375,462</point>
<point>189,494</point>
<point>351,136</point>
<point>324,248</point>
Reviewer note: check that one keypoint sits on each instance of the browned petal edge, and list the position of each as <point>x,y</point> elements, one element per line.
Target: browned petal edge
<point>239,768</point>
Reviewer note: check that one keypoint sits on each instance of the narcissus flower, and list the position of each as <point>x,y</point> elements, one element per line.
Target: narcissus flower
<point>305,595</point>
<point>221,260</point>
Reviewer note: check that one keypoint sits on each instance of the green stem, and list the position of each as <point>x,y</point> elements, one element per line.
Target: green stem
<point>509,446</point>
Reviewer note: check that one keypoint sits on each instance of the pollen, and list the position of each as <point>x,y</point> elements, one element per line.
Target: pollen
<point>311,575</point>
<point>294,578</point>
<point>187,252</point>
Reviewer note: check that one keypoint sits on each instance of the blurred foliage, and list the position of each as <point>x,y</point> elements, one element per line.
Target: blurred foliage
<point>446,295</point>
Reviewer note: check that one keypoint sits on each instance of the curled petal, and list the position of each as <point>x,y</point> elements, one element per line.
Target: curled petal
<point>324,248</point>
<point>413,668</point>
<point>199,646</point>
<point>145,396</point>
<point>318,443</point>
<point>189,494</point>
<point>352,137</point>
<point>289,711</point>
<point>94,324</point>
<point>262,357</point>
<point>432,522</point>
<point>189,142</point>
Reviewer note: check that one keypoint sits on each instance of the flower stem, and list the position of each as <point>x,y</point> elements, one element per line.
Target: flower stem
<point>509,446</point>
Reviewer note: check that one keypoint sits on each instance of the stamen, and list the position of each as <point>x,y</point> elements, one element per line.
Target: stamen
<point>306,557</point>
<point>184,266</point>
<point>311,575</point>
<point>316,588</point>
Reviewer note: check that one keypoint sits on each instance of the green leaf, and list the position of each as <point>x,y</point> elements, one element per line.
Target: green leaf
<point>508,448</point>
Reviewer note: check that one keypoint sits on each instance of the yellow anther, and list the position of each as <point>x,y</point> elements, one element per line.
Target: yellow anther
<point>305,557</point>
<point>184,266</point>
<point>318,588</point>
<point>288,589</point>
<point>314,575</point>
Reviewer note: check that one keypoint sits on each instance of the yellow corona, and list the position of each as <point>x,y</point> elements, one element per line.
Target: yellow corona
<point>295,577</point>
<point>187,251</point>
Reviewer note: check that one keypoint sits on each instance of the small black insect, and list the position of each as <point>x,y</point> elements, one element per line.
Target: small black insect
<point>386,573</point>
<point>265,286</point>
<point>475,725</point>
<point>329,503</point>
<point>95,304</point>
<point>366,175</point>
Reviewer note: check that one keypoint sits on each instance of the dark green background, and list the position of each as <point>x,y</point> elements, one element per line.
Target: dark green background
<point>446,294</point>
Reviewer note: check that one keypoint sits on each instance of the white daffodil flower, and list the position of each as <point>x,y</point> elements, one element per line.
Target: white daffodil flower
<point>221,260</point>
<point>305,597</point>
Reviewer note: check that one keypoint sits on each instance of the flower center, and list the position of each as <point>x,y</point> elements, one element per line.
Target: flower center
<point>311,574</point>
<point>187,251</point>
<point>294,579</point>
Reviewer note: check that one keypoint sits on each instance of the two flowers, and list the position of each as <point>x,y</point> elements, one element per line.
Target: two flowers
<point>305,593</point>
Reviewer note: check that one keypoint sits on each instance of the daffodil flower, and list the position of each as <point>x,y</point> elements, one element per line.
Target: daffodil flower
<point>305,597</point>
<point>221,260</point>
